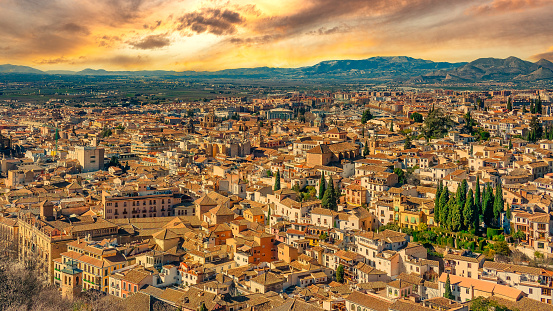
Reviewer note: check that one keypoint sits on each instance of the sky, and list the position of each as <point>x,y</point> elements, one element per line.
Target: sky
<point>212,34</point>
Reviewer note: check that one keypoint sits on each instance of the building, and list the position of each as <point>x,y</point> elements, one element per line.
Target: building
<point>140,201</point>
<point>91,159</point>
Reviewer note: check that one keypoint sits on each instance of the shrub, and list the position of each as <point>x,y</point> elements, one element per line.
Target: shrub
<point>490,232</point>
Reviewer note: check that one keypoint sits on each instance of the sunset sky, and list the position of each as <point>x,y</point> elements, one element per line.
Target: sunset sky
<point>211,34</point>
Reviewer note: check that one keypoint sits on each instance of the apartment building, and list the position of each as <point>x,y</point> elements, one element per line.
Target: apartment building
<point>536,283</point>
<point>537,228</point>
<point>96,259</point>
<point>465,289</point>
<point>45,238</point>
<point>139,201</point>
<point>463,263</point>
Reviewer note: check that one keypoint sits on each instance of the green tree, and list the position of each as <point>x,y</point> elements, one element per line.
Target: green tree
<point>510,145</point>
<point>536,130</point>
<point>367,115</point>
<point>485,304</point>
<point>322,186</point>
<point>444,199</point>
<point>391,126</point>
<point>277,181</point>
<point>539,108</point>
<point>203,307</point>
<point>448,294</point>
<point>468,211</point>
<point>477,196</point>
<point>437,207</point>
<point>498,204</point>
<point>519,235</point>
<point>407,144</point>
<point>456,217</point>
<point>329,198</point>
<point>487,206</point>
<point>417,117</point>
<point>436,124</point>
<point>502,248</point>
<point>509,104</point>
<point>340,274</point>
<point>366,150</point>
<point>400,175</point>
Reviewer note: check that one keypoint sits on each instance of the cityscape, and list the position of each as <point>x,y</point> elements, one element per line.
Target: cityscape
<point>212,156</point>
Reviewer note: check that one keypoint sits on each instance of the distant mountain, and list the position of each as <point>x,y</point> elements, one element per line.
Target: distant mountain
<point>396,68</point>
<point>18,69</point>
<point>492,69</point>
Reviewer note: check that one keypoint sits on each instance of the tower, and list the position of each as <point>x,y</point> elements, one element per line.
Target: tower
<point>71,280</point>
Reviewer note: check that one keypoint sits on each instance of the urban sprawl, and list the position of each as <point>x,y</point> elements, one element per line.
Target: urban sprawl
<point>373,200</point>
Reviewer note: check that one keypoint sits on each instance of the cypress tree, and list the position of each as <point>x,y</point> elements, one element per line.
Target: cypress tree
<point>277,181</point>
<point>468,211</point>
<point>487,206</point>
<point>509,104</point>
<point>477,197</point>
<point>329,198</point>
<point>444,198</point>
<point>437,202</point>
<point>498,204</point>
<point>322,186</point>
<point>366,150</point>
<point>448,294</point>
<point>456,216</point>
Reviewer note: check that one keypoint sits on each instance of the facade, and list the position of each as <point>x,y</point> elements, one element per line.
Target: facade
<point>140,202</point>
<point>90,158</point>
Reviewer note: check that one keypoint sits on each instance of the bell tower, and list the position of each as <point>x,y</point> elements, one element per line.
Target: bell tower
<point>71,280</point>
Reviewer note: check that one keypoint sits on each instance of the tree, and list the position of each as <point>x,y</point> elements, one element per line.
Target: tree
<point>469,124</point>
<point>448,294</point>
<point>407,144</point>
<point>477,199</point>
<point>509,104</point>
<point>456,217</point>
<point>519,235</point>
<point>400,175</point>
<point>367,115</point>
<point>190,113</point>
<point>277,181</point>
<point>468,211</point>
<point>323,236</point>
<point>436,124</point>
<point>391,126</point>
<point>487,206</point>
<point>502,248</point>
<point>329,198</point>
<point>498,204</point>
<point>485,304</point>
<point>322,186</point>
<point>437,207</point>
<point>340,274</point>
<point>510,145</point>
<point>444,199</point>
<point>417,117</point>
<point>366,150</point>
<point>538,106</point>
<point>536,130</point>
<point>203,307</point>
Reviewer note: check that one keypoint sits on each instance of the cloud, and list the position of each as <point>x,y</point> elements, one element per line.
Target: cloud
<point>74,28</point>
<point>546,55</point>
<point>209,20</point>
<point>151,42</point>
<point>506,6</point>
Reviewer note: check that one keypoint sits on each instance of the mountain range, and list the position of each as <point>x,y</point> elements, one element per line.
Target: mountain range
<point>398,68</point>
